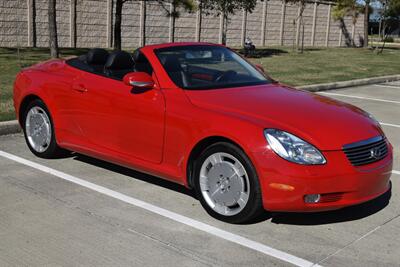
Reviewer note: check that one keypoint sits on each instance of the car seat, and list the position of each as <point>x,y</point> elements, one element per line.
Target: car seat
<point>118,64</point>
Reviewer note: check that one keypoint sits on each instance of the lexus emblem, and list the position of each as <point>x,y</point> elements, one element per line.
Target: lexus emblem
<point>375,153</point>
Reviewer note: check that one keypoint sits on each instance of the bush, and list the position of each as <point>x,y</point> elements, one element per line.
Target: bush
<point>388,39</point>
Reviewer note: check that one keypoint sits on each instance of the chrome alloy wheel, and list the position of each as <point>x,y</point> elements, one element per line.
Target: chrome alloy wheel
<point>224,184</point>
<point>38,129</point>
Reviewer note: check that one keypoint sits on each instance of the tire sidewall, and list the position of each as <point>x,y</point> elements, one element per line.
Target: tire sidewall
<point>52,148</point>
<point>253,206</point>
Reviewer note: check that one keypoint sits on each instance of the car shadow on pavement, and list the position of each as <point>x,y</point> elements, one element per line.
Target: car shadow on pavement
<point>134,174</point>
<point>346,214</point>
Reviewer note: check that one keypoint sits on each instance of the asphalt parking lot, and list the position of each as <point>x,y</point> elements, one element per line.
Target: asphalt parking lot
<point>82,211</point>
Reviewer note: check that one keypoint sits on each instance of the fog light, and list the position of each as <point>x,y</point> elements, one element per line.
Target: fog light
<point>312,198</point>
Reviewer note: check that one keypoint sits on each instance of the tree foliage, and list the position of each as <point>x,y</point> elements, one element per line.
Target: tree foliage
<point>350,8</point>
<point>392,10</point>
<point>188,5</point>
<point>389,15</point>
<point>227,6</point>
<point>299,20</point>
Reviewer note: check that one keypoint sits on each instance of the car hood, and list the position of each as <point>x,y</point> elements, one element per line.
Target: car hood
<point>326,123</point>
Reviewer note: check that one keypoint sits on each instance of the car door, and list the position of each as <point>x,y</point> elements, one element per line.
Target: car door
<point>116,120</point>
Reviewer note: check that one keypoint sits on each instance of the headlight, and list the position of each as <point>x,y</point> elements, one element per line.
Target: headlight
<point>292,148</point>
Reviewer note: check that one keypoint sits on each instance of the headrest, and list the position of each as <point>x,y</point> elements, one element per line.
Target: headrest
<point>119,60</point>
<point>138,57</point>
<point>171,64</point>
<point>96,56</point>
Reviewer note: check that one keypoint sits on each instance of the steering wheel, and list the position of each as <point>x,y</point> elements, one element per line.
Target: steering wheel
<point>225,76</point>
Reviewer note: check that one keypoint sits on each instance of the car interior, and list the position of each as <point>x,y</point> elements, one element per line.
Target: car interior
<point>192,68</point>
<point>207,67</point>
<point>112,65</point>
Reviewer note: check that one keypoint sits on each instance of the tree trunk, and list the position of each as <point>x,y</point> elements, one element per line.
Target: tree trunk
<point>53,43</point>
<point>172,14</point>
<point>347,38</point>
<point>117,24</point>
<point>33,23</point>
<point>366,22</point>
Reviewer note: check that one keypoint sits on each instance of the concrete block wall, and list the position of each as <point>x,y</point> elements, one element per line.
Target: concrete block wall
<point>130,23</point>
<point>89,23</point>
<point>289,32</point>
<point>320,25</point>
<point>210,28</point>
<point>157,24</point>
<point>13,23</point>
<point>274,16</point>
<point>253,24</point>
<point>234,29</point>
<point>185,27</point>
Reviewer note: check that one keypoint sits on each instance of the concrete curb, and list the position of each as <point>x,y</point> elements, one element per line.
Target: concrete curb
<point>9,127</point>
<point>358,82</point>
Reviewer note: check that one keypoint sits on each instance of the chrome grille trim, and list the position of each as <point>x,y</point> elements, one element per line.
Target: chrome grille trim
<point>366,151</point>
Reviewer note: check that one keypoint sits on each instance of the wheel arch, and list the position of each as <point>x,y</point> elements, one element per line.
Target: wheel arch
<point>24,104</point>
<point>198,149</point>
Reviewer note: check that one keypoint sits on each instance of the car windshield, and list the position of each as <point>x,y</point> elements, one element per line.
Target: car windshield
<point>208,67</point>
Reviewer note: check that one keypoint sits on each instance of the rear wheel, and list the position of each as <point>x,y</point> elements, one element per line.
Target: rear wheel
<point>39,131</point>
<point>227,184</point>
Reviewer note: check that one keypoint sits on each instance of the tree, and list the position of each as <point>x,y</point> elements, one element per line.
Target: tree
<point>348,8</point>
<point>366,21</point>
<point>389,14</point>
<point>226,8</point>
<point>393,9</point>
<point>174,12</point>
<point>299,19</point>
<point>53,43</point>
<point>117,24</point>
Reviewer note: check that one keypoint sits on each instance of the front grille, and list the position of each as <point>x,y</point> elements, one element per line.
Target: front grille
<point>367,151</point>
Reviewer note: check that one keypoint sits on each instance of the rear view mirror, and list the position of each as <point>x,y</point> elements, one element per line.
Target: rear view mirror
<point>140,80</point>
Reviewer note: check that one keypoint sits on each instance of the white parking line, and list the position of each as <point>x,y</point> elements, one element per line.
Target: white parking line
<point>396,172</point>
<point>390,124</point>
<point>387,86</point>
<point>237,239</point>
<point>361,97</point>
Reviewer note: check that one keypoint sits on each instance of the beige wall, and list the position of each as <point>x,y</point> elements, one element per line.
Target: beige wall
<point>92,24</point>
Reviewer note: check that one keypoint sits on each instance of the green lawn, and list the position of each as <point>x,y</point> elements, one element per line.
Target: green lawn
<point>329,65</point>
<point>315,65</point>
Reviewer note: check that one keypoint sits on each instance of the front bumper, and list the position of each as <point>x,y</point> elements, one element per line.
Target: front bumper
<point>284,184</point>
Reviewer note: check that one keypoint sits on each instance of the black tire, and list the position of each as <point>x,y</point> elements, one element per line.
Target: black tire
<point>254,206</point>
<point>52,150</point>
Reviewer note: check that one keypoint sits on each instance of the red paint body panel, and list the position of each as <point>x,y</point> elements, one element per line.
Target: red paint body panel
<point>155,131</point>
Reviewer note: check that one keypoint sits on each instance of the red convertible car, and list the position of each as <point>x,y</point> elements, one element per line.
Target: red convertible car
<point>200,115</point>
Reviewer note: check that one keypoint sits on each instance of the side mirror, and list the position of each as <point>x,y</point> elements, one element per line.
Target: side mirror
<point>140,80</point>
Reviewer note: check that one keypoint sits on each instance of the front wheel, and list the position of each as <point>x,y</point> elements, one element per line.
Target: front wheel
<point>227,184</point>
<point>39,131</point>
